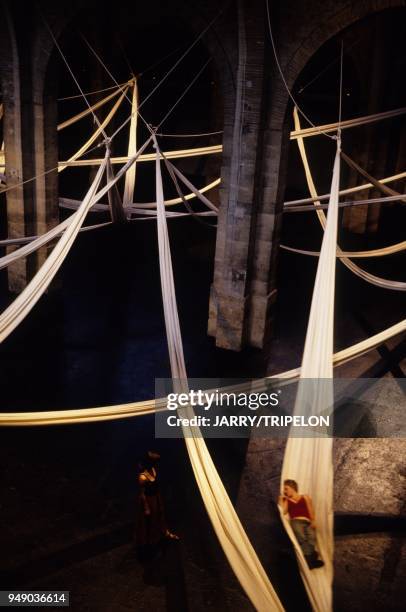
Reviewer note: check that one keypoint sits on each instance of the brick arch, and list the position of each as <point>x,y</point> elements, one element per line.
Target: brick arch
<point>339,21</point>
<point>294,58</point>
<point>297,40</point>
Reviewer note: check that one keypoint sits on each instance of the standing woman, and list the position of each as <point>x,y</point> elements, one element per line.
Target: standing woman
<point>151,527</point>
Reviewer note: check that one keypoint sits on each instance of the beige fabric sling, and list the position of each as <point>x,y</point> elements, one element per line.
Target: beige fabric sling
<point>150,157</point>
<point>23,304</point>
<point>298,132</point>
<point>134,409</point>
<point>72,204</point>
<point>224,519</point>
<point>129,184</point>
<point>367,276</point>
<point>309,460</point>
<point>87,111</point>
<point>75,158</point>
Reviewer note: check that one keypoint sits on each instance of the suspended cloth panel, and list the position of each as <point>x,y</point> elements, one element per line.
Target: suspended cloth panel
<point>176,154</point>
<point>224,519</point>
<point>117,212</point>
<point>383,188</point>
<point>27,239</point>
<point>389,250</point>
<point>87,111</point>
<point>198,194</point>
<point>367,276</point>
<point>72,204</point>
<point>35,244</point>
<point>326,196</point>
<point>309,461</point>
<point>133,409</point>
<point>63,165</point>
<point>129,184</point>
<point>317,130</point>
<point>22,305</point>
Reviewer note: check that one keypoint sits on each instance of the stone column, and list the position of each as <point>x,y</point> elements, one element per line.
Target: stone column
<point>242,122</point>
<point>29,138</point>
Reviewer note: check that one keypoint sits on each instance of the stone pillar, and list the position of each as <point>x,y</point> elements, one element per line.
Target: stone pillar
<point>45,148</point>
<point>19,199</point>
<point>29,138</point>
<point>230,290</point>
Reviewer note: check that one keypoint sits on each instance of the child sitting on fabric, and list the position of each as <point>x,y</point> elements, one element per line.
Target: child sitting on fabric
<point>302,520</point>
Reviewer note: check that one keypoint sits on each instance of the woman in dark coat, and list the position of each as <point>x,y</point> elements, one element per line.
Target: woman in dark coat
<point>151,527</point>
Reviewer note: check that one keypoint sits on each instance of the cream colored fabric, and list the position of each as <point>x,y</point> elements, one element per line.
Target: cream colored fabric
<point>389,250</point>
<point>27,239</point>
<point>332,127</point>
<point>224,519</point>
<point>34,245</point>
<point>176,154</point>
<point>326,196</point>
<point>75,158</point>
<point>383,188</point>
<point>129,184</point>
<point>371,278</point>
<point>72,204</point>
<point>173,201</point>
<point>133,409</point>
<point>117,212</point>
<point>87,111</point>
<point>309,460</point>
<point>190,185</point>
<point>23,304</point>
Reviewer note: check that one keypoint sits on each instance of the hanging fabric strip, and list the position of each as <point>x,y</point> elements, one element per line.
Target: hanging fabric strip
<point>173,201</point>
<point>74,159</point>
<point>71,204</point>
<point>23,304</point>
<point>289,208</point>
<point>177,154</point>
<point>190,185</point>
<point>37,242</point>
<point>129,185</point>
<point>145,215</point>
<point>367,276</point>
<point>134,409</point>
<point>224,519</point>
<point>326,196</point>
<point>87,111</point>
<point>332,127</point>
<point>27,239</point>
<point>389,250</point>
<point>92,93</point>
<point>117,212</point>
<point>309,460</point>
<point>383,188</point>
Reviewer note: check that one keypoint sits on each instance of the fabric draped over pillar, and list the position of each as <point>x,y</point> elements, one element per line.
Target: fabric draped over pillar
<point>128,197</point>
